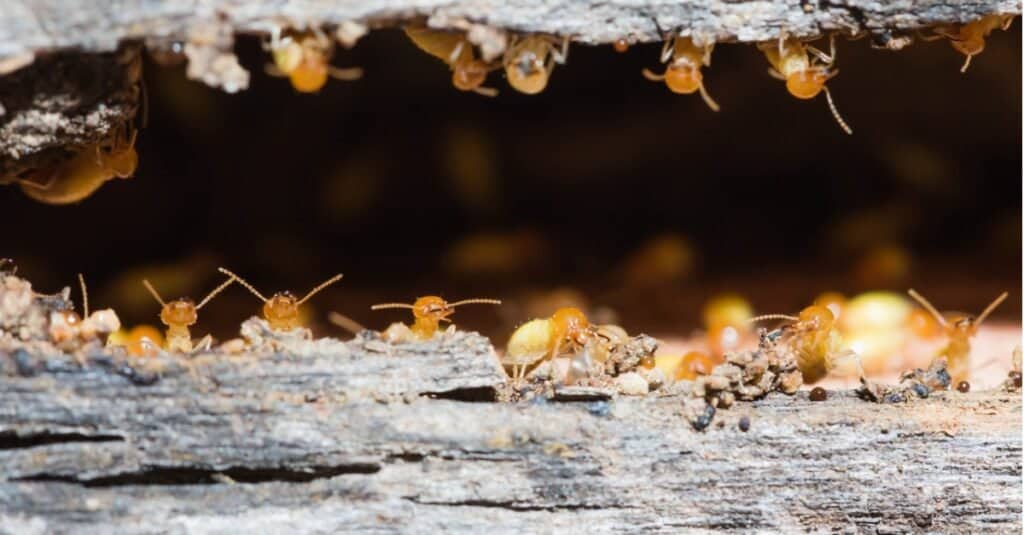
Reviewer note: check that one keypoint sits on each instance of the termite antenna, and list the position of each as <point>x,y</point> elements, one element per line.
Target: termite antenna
<point>927,306</point>
<point>345,322</point>
<point>475,302</point>
<point>216,291</point>
<point>323,285</point>
<point>85,296</point>
<point>707,98</point>
<point>992,306</point>
<point>383,306</point>
<point>763,317</point>
<point>835,113</point>
<point>153,291</point>
<point>652,76</point>
<point>243,283</point>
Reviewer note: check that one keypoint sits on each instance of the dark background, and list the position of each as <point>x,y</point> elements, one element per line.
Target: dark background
<point>379,178</point>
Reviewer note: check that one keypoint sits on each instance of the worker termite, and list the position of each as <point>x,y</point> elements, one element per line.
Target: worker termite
<point>969,39</point>
<point>75,179</point>
<point>468,72</point>
<point>682,75</point>
<point>815,341</point>
<point>529,61</point>
<point>959,331</point>
<point>304,58</point>
<point>428,312</point>
<point>180,314</point>
<point>805,69</point>
<point>282,309</point>
<point>726,318</point>
<point>545,338</point>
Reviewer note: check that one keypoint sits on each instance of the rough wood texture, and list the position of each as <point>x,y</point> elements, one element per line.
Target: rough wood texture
<point>34,25</point>
<point>349,437</point>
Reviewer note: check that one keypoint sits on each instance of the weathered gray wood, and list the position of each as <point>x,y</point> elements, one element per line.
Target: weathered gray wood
<point>343,437</point>
<point>35,25</point>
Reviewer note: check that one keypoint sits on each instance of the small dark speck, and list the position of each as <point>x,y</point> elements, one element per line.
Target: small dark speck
<point>921,390</point>
<point>704,419</point>
<point>895,398</point>
<point>818,394</point>
<point>744,423</point>
<point>963,387</point>
<point>23,362</point>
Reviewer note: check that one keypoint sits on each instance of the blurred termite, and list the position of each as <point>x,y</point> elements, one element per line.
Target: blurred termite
<point>180,314</point>
<point>726,318</point>
<point>529,61</point>
<point>139,341</point>
<point>546,338</point>
<point>969,39</point>
<point>692,365</point>
<point>468,72</point>
<point>282,309</point>
<point>682,74</point>
<point>959,330</point>
<point>75,179</point>
<point>805,69</point>
<point>304,58</point>
<point>815,341</point>
<point>428,312</point>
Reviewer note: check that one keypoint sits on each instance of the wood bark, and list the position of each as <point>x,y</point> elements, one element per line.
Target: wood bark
<point>365,436</point>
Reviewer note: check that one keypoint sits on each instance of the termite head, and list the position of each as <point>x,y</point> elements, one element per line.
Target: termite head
<point>806,84</point>
<point>432,307</point>
<point>820,317</point>
<point>526,73</point>
<point>282,309</point>
<point>179,312</point>
<point>469,75</point>
<point>570,323</point>
<point>683,78</point>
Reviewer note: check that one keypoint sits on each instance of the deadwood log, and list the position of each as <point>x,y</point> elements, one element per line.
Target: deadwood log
<point>358,436</point>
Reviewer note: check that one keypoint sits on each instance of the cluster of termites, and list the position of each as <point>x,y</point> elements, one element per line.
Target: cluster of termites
<point>304,58</point>
<point>812,339</point>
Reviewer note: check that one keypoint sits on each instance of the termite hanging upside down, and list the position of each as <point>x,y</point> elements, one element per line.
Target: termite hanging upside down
<point>682,75</point>
<point>969,39</point>
<point>468,72</point>
<point>960,331</point>
<point>814,338</point>
<point>428,312</point>
<point>529,61</point>
<point>75,179</point>
<point>180,314</point>
<point>805,69</point>
<point>304,58</point>
<point>282,309</point>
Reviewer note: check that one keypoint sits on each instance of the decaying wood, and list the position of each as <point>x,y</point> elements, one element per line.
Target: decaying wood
<point>366,436</point>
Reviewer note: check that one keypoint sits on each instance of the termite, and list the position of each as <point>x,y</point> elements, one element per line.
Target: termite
<point>468,72</point>
<point>304,58</point>
<point>180,314</point>
<point>529,61</point>
<point>428,312</point>
<point>71,181</point>
<point>959,331</point>
<point>969,39</point>
<point>682,74</point>
<point>282,309</point>
<point>814,338</point>
<point>805,69</point>
<point>726,318</point>
<point>545,338</point>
